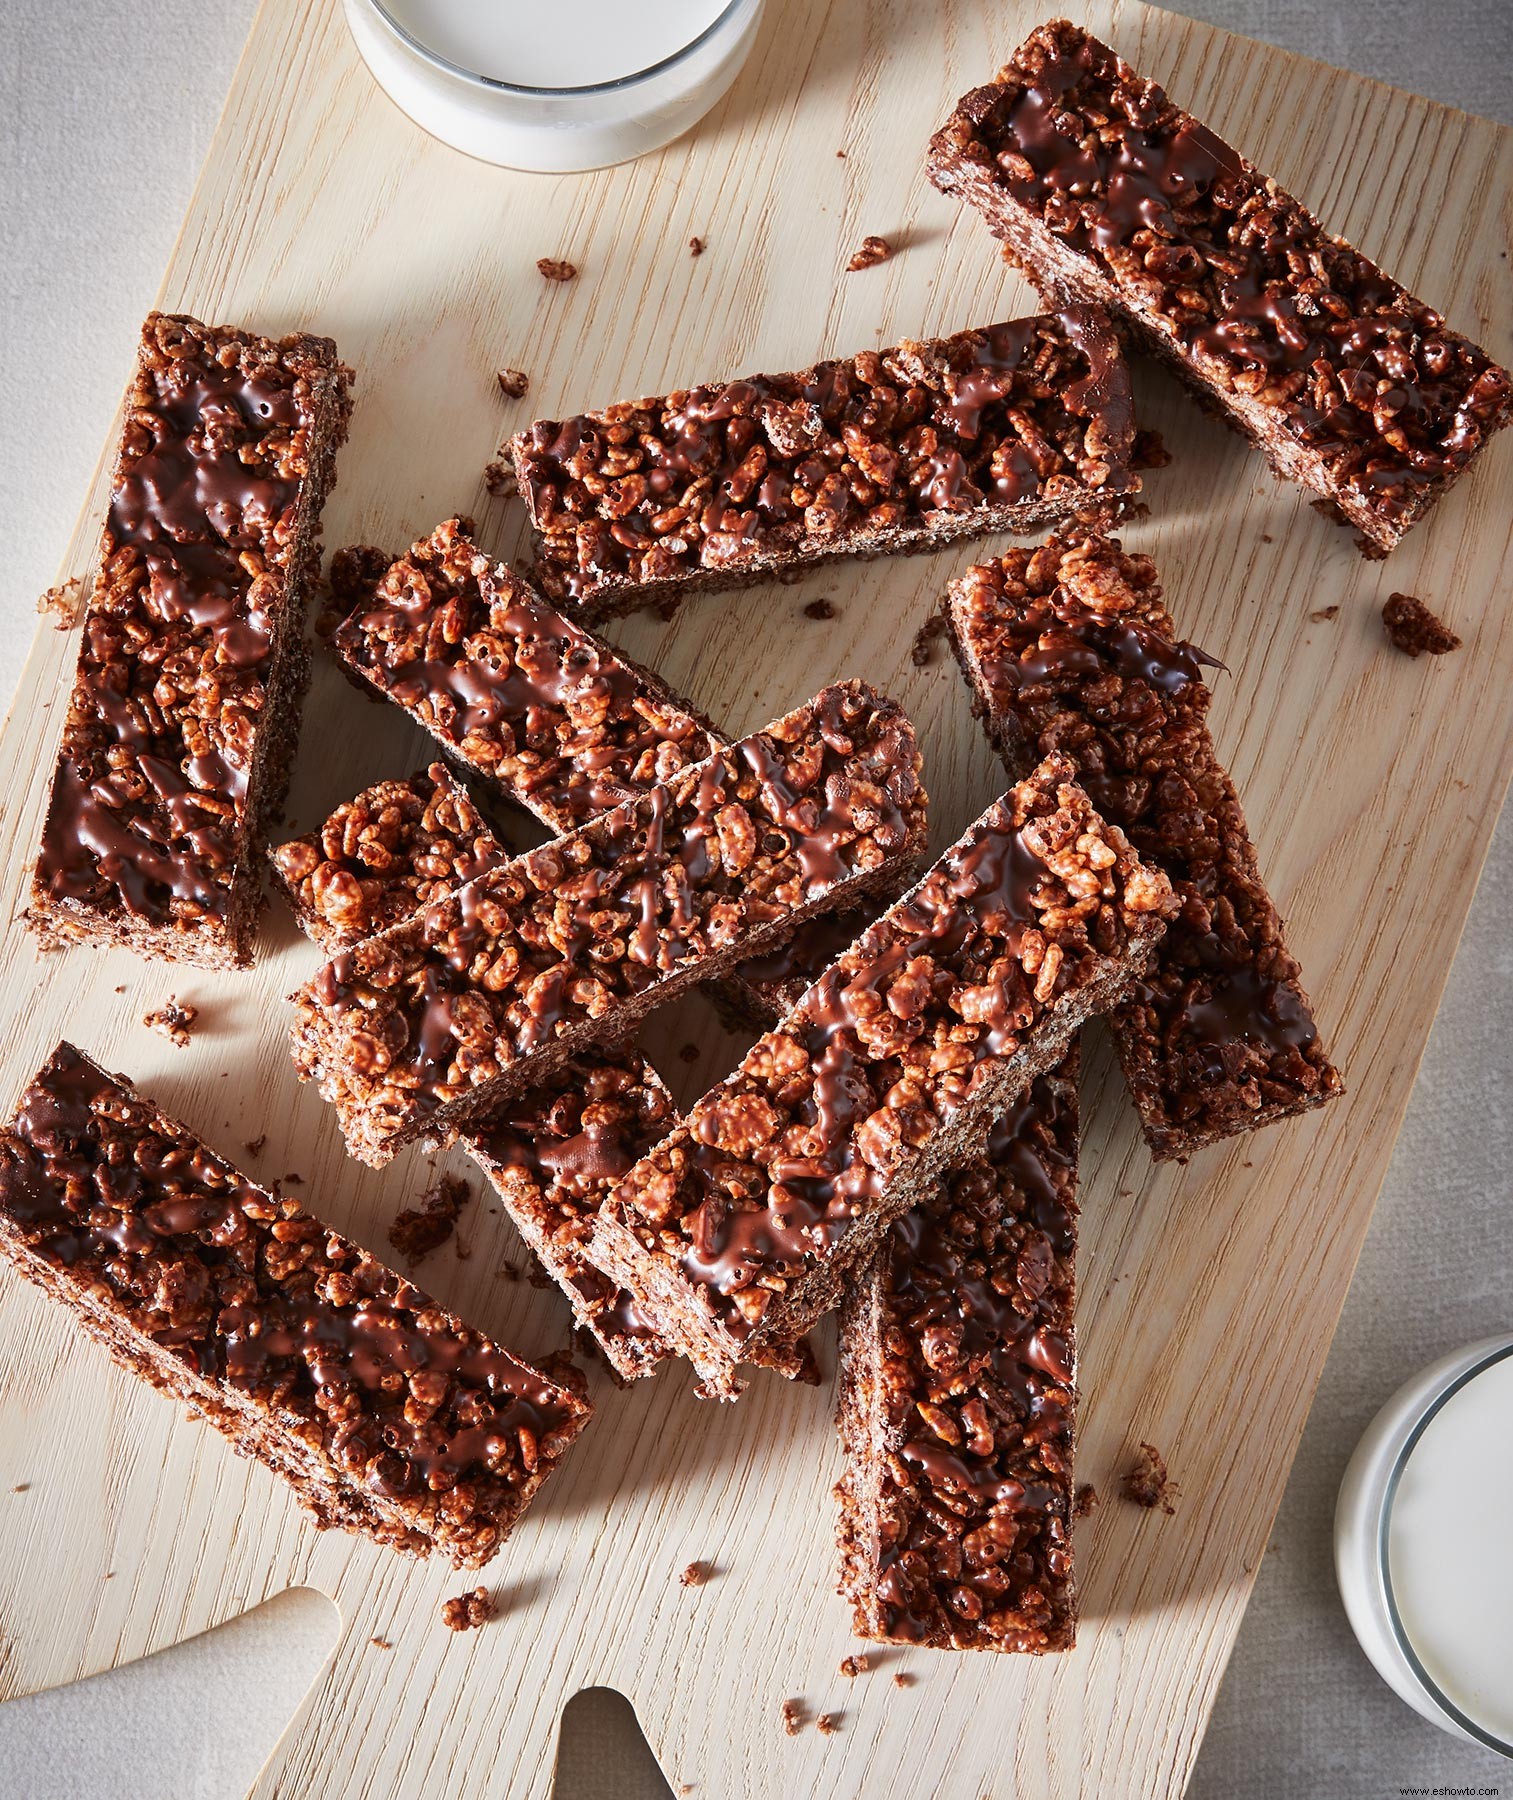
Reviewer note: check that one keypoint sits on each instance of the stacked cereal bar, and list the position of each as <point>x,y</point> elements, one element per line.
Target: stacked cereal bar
<point>908,448</point>
<point>1104,188</point>
<point>957,1389</point>
<point>384,854</point>
<point>558,721</point>
<point>746,1222</point>
<point>185,703</point>
<point>429,1025</point>
<point>383,1412</point>
<point>1070,647</point>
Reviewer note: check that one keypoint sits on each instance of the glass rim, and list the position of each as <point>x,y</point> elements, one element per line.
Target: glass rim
<point>494,84</point>
<point>1490,1739</point>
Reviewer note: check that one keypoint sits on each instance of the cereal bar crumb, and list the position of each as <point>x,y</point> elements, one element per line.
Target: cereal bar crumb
<point>1324,614</point>
<point>555,270</point>
<point>901,1680</point>
<point>1147,1483</point>
<point>379,1643</point>
<point>793,1717</point>
<point>65,602</point>
<point>254,1146</point>
<point>689,1053</point>
<point>1085,1501</point>
<point>923,653</point>
<point>499,479</point>
<point>819,609</point>
<point>513,383</point>
<point>852,1666</point>
<point>696,246</point>
<point>1414,630</point>
<point>874,250</point>
<point>827,1724</point>
<point>695,1575</point>
<point>1149,451</point>
<point>417,1231</point>
<point>172,1021</point>
<point>465,1612</point>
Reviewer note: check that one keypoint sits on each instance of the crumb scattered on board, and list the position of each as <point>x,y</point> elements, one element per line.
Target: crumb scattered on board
<point>254,1146</point>
<point>874,250</point>
<point>1085,1501</point>
<point>902,1680</point>
<point>499,478</point>
<point>695,1575</point>
<point>1414,630</point>
<point>696,246</point>
<point>852,1666</point>
<point>819,609</point>
<point>509,1272</point>
<point>513,383</point>
<point>174,1020</point>
<point>793,1717</point>
<point>1147,1484</point>
<point>925,639</point>
<point>65,602</point>
<point>689,1053</point>
<point>379,1643</point>
<point>419,1230</point>
<point>1324,614</point>
<point>554,269</point>
<point>465,1612</point>
<point>827,1723</point>
<point>1149,451</point>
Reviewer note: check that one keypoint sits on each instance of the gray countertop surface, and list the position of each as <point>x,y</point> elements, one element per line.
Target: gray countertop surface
<point>97,160</point>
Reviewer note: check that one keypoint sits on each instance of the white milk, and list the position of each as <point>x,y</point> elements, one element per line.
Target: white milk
<point>1450,1549</point>
<point>566,43</point>
<point>673,60</point>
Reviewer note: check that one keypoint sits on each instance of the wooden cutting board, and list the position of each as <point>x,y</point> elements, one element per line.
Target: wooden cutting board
<point>1208,1294</point>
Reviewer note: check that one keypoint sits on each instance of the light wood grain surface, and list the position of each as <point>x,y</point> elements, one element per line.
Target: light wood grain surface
<point>1209,1294</point>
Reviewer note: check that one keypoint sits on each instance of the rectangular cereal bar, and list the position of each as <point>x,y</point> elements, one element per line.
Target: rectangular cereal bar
<point>957,1395</point>
<point>192,664</point>
<point>565,725</point>
<point>425,1028</point>
<point>1070,647</point>
<point>742,1227</point>
<point>1103,188</point>
<point>384,1413</point>
<point>1006,428</point>
<point>571,727</point>
<point>551,1155</point>
<point>384,854</point>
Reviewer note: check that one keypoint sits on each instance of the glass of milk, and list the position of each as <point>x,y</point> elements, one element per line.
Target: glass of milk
<point>572,84</point>
<point>1423,1543</point>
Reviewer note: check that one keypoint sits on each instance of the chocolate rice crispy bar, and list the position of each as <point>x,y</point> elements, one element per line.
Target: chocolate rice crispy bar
<point>514,692</point>
<point>1001,429</point>
<point>428,1026</point>
<point>1069,648</point>
<point>571,726</point>
<point>1105,190</point>
<point>552,1154</point>
<point>384,1413</point>
<point>192,662</point>
<point>744,1224</point>
<point>957,1392</point>
<point>382,855</point>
